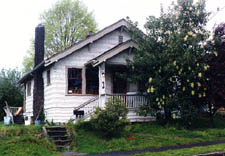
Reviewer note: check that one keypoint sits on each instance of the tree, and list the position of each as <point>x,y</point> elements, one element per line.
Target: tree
<point>170,60</point>
<point>9,91</point>
<point>66,23</point>
<point>216,74</point>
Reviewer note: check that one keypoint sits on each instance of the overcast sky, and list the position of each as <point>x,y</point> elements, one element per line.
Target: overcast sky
<point>19,18</point>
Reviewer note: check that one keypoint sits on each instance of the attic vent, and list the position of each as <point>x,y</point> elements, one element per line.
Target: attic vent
<point>120,38</point>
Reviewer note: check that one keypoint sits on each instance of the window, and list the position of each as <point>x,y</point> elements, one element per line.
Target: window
<point>29,88</point>
<point>74,81</point>
<point>92,81</point>
<point>120,38</point>
<point>48,78</point>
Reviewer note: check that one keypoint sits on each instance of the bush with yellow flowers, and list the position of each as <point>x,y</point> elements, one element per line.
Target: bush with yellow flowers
<point>170,65</point>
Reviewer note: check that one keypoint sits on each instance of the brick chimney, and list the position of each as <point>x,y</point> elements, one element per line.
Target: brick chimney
<point>39,44</point>
<point>38,91</point>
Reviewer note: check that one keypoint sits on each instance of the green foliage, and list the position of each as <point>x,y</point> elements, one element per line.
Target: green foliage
<point>9,91</point>
<point>150,135</point>
<point>216,73</point>
<point>66,23</point>
<point>170,60</point>
<point>111,120</point>
<point>25,141</point>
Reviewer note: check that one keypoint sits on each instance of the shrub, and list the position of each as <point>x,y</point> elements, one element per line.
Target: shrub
<point>111,120</point>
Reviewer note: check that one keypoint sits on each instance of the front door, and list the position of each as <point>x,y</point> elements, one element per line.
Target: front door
<point>119,84</point>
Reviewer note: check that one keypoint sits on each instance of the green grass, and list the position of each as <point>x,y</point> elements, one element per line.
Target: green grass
<point>24,141</point>
<point>188,151</point>
<point>149,135</point>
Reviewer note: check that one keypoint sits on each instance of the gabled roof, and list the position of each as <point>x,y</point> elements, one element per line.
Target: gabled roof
<point>87,41</point>
<point>112,52</point>
<point>75,47</point>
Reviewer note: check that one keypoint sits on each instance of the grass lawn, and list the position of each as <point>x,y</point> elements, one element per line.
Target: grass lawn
<point>188,151</point>
<point>24,141</point>
<point>149,135</point>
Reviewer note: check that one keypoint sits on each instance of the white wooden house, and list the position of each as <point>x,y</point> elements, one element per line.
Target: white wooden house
<point>83,76</point>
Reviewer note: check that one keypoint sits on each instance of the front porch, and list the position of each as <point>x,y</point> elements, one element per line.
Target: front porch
<point>132,102</point>
<point>104,76</point>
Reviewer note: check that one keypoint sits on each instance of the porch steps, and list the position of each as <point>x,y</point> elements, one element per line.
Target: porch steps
<point>59,135</point>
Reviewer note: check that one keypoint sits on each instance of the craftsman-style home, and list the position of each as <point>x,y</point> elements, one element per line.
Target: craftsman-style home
<point>82,77</point>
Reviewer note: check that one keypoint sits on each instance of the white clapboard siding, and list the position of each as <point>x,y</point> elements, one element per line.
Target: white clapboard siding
<point>29,101</point>
<point>59,106</point>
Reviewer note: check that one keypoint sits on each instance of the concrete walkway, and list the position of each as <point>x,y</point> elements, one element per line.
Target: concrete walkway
<point>149,150</point>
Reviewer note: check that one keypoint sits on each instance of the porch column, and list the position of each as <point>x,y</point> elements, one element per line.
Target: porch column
<point>101,76</point>
<point>102,91</point>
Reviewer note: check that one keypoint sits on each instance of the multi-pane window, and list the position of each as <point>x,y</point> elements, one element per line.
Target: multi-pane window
<point>29,88</point>
<point>74,81</point>
<point>48,77</point>
<point>92,81</point>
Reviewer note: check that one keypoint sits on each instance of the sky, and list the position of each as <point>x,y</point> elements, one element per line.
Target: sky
<point>20,17</point>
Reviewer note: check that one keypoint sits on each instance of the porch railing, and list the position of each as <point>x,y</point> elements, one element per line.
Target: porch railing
<point>88,108</point>
<point>14,110</point>
<point>132,101</point>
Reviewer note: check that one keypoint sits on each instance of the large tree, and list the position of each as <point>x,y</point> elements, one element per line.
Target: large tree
<point>170,60</point>
<point>9,90</point>
<point>216,74</point>
<point>67,22</point>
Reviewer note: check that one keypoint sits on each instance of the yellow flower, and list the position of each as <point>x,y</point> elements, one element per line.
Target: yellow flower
<point>157,99</point>
<point>200,95</point>
<point>215,53</point>
<point>170,95</point>
<point>159,71</point>
<point>188,80</point>
<point>160,106</point>
<point>174,116</point>
<point>192,92</point>
<point>179,72</point>
<point>213,42</point>
<point>199,75</point>
<point>206,67</point>
<point>204,94</point>
<point>164,96</point>
<point>150,79</point>
<point>190,8</point>
<point>174,63</point>
<point>197,64</point>
<point>199,84</point>
<point>148,90</point>
<point>163,103</point>
<point>189,68</point>
<point>185,38</point>
<point>190,33</point>
<point>152,89</point>
<point>194,35</point>
<point>177,67</point>
<point>183,89</point>
<point>192,85</point>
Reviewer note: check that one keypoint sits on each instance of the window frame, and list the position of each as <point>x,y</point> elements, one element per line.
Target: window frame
<point>86,83</point>
<point>67,80</point>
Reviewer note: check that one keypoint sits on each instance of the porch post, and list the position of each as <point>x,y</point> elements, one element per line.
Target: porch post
<point>102,84</point>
